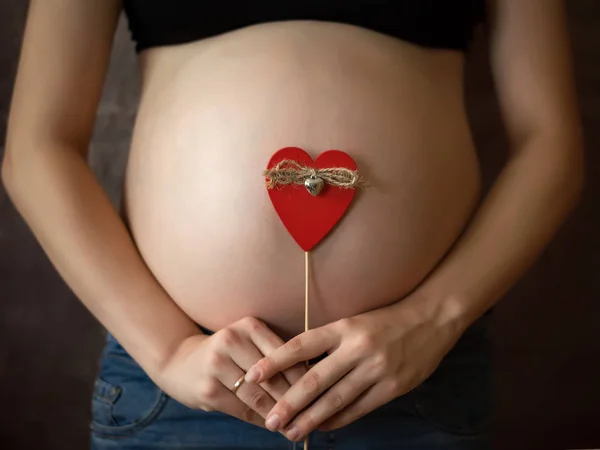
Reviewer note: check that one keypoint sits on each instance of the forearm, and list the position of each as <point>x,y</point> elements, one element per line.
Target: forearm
<point>526,206</point>
<point>84,237</point>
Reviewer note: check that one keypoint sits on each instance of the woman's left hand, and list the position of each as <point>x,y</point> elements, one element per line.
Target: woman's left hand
<point>372,358</point>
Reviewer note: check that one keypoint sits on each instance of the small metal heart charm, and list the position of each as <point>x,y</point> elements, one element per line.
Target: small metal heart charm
<point>314,185</point>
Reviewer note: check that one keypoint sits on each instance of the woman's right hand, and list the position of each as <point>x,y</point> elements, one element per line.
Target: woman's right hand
<point>203,370</point>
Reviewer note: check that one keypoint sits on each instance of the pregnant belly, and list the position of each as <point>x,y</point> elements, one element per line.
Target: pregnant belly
<point>213,112</point>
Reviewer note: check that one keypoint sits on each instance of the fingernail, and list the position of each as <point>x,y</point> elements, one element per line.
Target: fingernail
<point>293,433</point>
<point>273,422</point>
<point>252,375</point>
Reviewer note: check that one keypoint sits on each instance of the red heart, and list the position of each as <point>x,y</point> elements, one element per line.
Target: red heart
<point>309,218</point>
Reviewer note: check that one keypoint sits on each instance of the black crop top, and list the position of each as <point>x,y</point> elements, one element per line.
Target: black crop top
<point>430,23</point>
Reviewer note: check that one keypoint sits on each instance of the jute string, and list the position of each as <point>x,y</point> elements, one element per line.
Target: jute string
<point>289,171</point>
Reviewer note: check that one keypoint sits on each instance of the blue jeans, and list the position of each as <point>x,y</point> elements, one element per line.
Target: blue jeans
<point>450,410</point>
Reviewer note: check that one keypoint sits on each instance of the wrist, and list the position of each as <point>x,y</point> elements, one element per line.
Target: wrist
<point>452,308</point>
<point>442,311</point>
<point>175,349</point>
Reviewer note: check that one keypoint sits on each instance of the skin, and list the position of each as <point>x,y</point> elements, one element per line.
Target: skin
<point>150,288</point>
<point>226,255</point>
<point>46,175</point>
<point>380,355</point>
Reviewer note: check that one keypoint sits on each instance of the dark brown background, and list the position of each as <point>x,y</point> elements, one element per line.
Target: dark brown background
<point>546,329</point>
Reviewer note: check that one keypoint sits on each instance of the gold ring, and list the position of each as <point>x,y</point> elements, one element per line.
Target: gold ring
<point>238,383</point>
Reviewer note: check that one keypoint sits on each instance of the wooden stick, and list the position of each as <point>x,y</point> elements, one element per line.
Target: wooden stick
<point>306,281</point>
<point>306,285</point>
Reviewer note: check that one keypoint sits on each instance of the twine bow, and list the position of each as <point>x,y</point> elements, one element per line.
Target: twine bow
<point>292,172</point>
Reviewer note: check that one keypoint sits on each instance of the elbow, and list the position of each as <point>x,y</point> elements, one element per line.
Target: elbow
<point>14,172</point>
<point>25,166</point>
<point>563,147</point>
<point>577,168</point>
<point>11,172</point>
<point>6,171</point>
<point>578,185</point>
<point>572,171</point>
<point>560,156</point>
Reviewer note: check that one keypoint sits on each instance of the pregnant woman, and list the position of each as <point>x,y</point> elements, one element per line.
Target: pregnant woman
<point>196,279</point>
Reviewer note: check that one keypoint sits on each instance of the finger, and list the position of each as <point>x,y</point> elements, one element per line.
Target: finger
<point>230,404</point>
<point>245,355</point>
<point>319,378</point>
<point>267,342</point>
<point>276,386</point>
<point>330,403</point>
<point>371,399</point>
<point>303,347</point>
<point>294,373</point>
<point>252,395</point>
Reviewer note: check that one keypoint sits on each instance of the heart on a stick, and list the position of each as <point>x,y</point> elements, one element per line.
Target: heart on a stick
<point>310,210</point>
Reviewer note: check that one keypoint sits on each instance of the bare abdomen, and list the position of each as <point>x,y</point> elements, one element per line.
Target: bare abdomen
<point>213,112</point>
